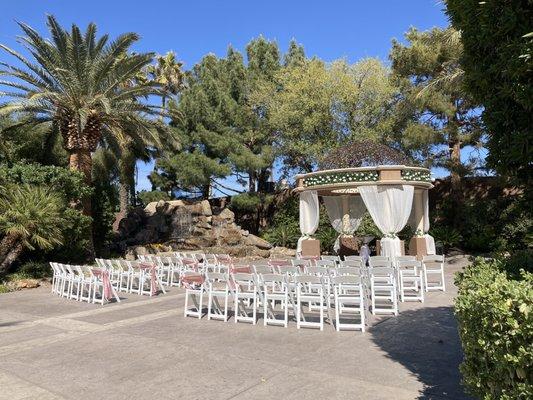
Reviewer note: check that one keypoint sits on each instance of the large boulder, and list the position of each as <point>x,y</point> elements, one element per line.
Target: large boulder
<point>252,240</point>
<point>230,236</point>
<point>225,217</point>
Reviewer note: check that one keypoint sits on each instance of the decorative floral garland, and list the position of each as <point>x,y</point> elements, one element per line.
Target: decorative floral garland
<point>416,175</point>
<point>341,177</point>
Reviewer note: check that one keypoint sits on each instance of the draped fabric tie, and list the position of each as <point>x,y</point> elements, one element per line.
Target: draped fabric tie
<point>153,276</point>
<point>192,281</point>
<point>430,244</point>
<point>309,216</point>
<point>103,275</point>
<point>190,262</point>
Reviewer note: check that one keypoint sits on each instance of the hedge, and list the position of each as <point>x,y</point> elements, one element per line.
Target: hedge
<point>495,319</point>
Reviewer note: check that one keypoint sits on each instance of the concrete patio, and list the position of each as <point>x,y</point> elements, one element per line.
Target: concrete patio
<point>142,348</point>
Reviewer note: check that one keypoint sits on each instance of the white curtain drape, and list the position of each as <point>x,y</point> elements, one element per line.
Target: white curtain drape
<point>335,209</point>
<point>390,208</point>
<point>309,216</point>
<point>430,241</point>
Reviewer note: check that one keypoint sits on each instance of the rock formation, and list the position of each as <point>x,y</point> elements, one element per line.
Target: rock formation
<point>181,225</point>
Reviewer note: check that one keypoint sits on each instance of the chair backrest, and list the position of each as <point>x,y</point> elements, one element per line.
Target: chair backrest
<point>405,258</point>
<point>273,279</point>
<point>320,271</point>
<point>216,277</point>
<point>277,263</point>
<point>262,269</point>
<point>288,269</point>
<point>314,279</point>
<point>354,258</point>
<point>379,258</point>
<point>330,258</point>
<point>352,263</point>
<point>298,262</point>
<point>408,264</point>
<point>380,263</point>
<point>381,271</point>
<point>346,280</point>
<point>243,277</point>
<point>355,271</point>
<point>326,263</point>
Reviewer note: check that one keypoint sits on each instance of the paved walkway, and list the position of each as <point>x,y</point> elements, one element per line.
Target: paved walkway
<point>52,348</point>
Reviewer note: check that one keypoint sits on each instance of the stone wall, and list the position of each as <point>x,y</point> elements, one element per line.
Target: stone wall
<point>181,225</point>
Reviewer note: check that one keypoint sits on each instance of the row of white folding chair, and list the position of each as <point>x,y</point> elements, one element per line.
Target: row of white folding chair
<point>264,289</point>
<point>77,282</point>
<point>128,276</point>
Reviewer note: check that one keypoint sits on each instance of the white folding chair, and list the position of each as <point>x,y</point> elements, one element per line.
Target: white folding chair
<point>349,298</point>
<point>310,290</point>
<point>245,295</point>
<point>57,277</point>
<point>217,287</point>
<point>195,292</point>
<point>86,283</point>
<point>274,289</point>
<point>434,267</point>
<point>300,263</point>
<point>354,258</point>
<point>383,290</point>
<point>411,282</point>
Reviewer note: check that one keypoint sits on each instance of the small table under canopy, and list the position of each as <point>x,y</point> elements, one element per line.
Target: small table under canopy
<point>394,195</point>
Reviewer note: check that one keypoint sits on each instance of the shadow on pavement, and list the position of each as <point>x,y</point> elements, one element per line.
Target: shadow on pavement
<point>426,342</point>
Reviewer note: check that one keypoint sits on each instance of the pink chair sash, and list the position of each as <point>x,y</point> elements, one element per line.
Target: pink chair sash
<point>106,282</point>
<point>241,268</point>
<point>191,262</point>
<point>153,277</point>
<point>189,281</point>
<point>277,263</point>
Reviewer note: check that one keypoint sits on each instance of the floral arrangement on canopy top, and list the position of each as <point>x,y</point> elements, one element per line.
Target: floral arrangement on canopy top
<point>363,153</point>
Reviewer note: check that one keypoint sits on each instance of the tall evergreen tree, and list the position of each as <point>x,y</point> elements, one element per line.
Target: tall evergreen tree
<point>221,126</point>
<point>436,117</point>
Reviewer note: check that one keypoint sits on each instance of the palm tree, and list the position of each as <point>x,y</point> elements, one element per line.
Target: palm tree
<point>76,82</point>
<point>31,218</point>
<point>167,72</point>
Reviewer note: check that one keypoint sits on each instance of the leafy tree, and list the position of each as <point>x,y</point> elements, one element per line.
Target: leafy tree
<point>434,109</point>
<point>154,195</point>
<point>31,218</point>
<point>76,82</point>
<point>221,129</point>
<point>317,106</point>
<point>22,140</point>
<point>497,61</point>
<point>70,186</point>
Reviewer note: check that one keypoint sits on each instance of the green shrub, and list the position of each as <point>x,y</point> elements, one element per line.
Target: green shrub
<point>154,195</point>
<point>71,187</point>
<point>447,236</point>
<point>495,316</point>
<point>3,288</point>
<point>245,202</point>
<point>35,269</point>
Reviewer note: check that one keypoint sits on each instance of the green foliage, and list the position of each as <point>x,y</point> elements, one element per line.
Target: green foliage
<point>69,183</point>
<point>154,195</point>
<point>497,60</point>
<point>368,227</point>
<point>23,140</point>
<point>447,236</point>
<point>221,129</point>
<point>495,318</point>
<point>317,106</point>
<point>71,187</point>
<point>434,113</point>
<point>35,269</point>
<point>33,215</point>
<point>284,229</point>
<point>245,202</point>
<point>4,288</point>
<point>509,228</point>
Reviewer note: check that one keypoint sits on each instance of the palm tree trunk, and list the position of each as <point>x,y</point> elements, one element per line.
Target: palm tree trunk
<point>10,249</point>
<point>81,160</point>
<point>455,160</point>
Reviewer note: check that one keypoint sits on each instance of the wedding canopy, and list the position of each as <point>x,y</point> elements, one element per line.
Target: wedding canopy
<point>394,195</point>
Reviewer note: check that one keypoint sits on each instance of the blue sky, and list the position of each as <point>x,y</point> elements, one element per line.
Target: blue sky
<point>327,29</point>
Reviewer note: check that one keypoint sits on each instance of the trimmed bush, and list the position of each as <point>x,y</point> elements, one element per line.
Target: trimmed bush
<point>495,315</point>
